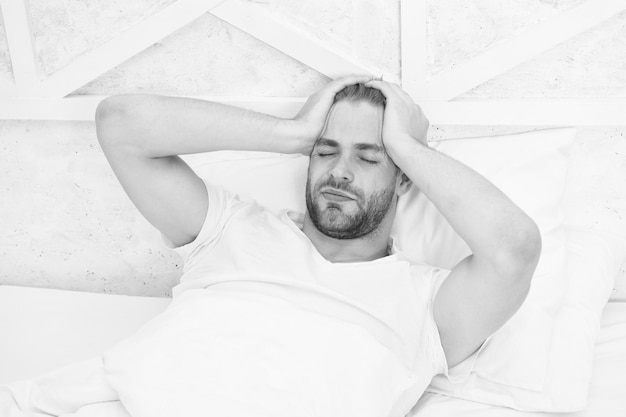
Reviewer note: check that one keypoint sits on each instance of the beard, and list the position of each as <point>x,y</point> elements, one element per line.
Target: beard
<point>336,223</point>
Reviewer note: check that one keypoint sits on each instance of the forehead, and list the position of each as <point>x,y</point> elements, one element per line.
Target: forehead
<point>354,122</point>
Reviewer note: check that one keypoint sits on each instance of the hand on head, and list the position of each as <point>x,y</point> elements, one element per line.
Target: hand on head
<point>402,118</point>
<point>312,117</point>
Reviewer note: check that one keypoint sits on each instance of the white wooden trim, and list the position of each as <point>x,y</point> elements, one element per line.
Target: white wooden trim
<point>7,89</point>
<point>414,46</point>
<point>464,76</point>
<point>16,17</point>
<point>527,112</point>
<point>471,113</point>
<point>83,108</point>
<point>90,65</point>
<point>289,39</point>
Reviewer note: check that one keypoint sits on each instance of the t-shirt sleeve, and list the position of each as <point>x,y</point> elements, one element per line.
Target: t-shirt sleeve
<point>458,373</point>
<point>222,204</point>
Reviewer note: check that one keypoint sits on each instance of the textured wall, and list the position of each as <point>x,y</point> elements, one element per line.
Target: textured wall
<point>66,222</point>
<point>210,57</point>
<point>63,29</point>
<point>5,65</point>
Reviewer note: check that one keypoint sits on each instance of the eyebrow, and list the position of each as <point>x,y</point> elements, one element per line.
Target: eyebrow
<point>369,147</point>
<point>358,146</point>
<point>327,142</point>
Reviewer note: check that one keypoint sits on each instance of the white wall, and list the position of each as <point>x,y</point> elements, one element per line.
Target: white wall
<point>65,221</point>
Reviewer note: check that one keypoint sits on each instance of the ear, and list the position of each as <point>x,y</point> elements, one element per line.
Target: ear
<point>403,184</point>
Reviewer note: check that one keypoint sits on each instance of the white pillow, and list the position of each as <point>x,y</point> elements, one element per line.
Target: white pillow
<point>593,261</point>
<point>277,181</point>
<point>619,292</point>
<point>529,167</point>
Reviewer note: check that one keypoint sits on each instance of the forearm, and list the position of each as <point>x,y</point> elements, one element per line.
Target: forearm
<point>489,222</point>
<point>160,126</point>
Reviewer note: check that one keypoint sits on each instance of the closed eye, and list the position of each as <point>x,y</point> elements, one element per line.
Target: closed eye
<point>369,161</point>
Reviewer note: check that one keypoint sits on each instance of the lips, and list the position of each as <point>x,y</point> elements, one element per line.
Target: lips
<point>336,195</point>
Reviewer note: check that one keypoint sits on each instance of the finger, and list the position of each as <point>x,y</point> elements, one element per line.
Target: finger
<point>354,78</point>
<point>383,86</point>
<point>400,93</point>
<point>397,88</point>
<point>340,83</point>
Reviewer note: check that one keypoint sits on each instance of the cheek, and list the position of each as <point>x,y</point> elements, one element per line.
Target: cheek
<point>313,177</point>
<point>317,170</point>
<point>379,177</point>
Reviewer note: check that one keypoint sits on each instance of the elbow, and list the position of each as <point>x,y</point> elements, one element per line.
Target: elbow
<point>519,257</point>
<point>114,118</point>
<point>109,116</point>
<point>108,109</point>
<point>528,246</point>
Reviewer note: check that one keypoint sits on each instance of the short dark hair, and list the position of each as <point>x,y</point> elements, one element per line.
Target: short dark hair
<point>359,92</point>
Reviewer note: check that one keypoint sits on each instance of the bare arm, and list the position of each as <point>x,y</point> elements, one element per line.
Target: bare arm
<point>485,289</point>
<point>143,135</point>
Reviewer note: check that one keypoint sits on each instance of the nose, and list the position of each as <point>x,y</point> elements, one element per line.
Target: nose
<point>341,170</point>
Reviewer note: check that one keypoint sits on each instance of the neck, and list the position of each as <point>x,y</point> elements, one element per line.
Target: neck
<point>365,248</point>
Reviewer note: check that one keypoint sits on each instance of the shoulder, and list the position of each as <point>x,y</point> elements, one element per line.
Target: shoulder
<point>226,209</point>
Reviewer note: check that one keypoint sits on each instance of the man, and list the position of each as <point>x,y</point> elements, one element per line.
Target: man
<point>367,145</point>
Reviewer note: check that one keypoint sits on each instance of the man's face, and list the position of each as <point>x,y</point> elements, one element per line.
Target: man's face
<point>352,182</point>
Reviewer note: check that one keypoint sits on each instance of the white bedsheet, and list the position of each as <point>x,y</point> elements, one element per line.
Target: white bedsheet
<point>78,390</point>
<point>105,319</point>
<point>607,396</point>
<point>44,329</point>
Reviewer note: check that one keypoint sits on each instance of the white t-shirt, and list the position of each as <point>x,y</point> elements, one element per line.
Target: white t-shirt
<point>345,339</point>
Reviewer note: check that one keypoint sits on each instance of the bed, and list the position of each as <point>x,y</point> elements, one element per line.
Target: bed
<point>69,326</point>
<point>606,392</point>
<point>565,334</point>
<point>63,327</point>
